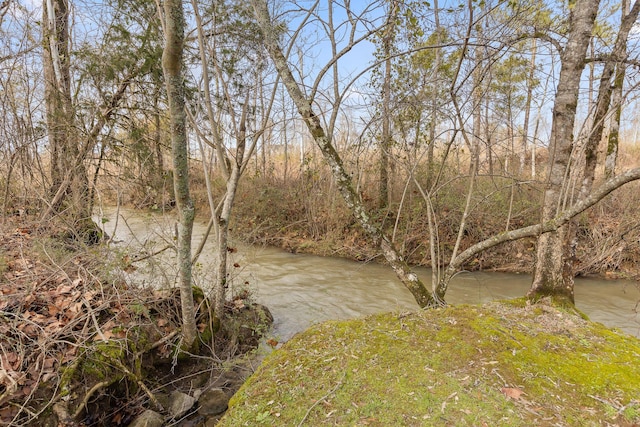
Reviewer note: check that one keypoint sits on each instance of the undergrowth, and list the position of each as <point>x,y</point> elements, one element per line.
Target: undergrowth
<point>311,217</point>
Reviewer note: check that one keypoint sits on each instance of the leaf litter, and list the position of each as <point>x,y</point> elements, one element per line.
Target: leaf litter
<point>53,306</point>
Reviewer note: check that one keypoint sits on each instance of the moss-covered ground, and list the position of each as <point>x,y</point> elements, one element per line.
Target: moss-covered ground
<point>507,364</point>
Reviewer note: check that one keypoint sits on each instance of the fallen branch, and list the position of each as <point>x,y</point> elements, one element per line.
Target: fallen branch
<point>140,383</point>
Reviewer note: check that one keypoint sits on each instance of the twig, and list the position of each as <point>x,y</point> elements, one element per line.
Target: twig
<point>85,400</point>
<point>158,252</point>
<point>95,321</point>
<point>606,402</point>
<point>333,390</point>
<point>9,389</point>
<point>495,371</point>
<point>23,407</point>
<point>157,343</point>
<point>141,384</point>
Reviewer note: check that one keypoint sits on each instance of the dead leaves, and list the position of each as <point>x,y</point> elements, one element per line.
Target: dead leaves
<point>516,395</point>
<point>48,313</point>
<point>512,393</point>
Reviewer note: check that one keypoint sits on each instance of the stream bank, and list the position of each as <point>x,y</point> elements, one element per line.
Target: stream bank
<point>82,346</point>
<point>308,216</point>
<point>302,289</point>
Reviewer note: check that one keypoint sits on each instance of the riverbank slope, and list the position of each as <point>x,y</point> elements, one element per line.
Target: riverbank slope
<point>83,346</point>
<point>316,221</point>
<point>508,363</point>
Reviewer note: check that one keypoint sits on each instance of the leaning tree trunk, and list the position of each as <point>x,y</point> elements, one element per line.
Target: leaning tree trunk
<point>553,274</point>
<point>422,295</point>
<point>172,68</point>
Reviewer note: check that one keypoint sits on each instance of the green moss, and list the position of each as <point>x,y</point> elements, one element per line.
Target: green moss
<point>198,294</point>
<point>516,302</point>
<point>67,375</point>
<point>631,411</point>
<point>207,334</point>
<point>102,358</point>
<point>508,364</point>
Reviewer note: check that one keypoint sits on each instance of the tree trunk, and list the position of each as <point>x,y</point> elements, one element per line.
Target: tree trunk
<point>385,142</point>
<point>69,181</point>
<point>616,96</point>
<point>474,149</point>
<point>603,101</point>
<point>613,141</point>
<point>434,97</point>
<point>157,146</point>
<point>172,68</point>
<point>57,87</point>
<point>423,297</point>
<point>527,112</point>
<point>553,274</point>
<point>222,221</point>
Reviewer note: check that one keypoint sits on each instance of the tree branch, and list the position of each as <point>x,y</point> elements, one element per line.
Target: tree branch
<point>533,230</point>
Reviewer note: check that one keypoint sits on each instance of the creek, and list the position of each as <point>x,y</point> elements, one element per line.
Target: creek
<point>302,289</point>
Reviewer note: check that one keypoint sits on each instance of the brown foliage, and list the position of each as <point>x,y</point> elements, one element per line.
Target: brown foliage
<point>306,214</point>
<point>77,341</point>
<point>54,307</point>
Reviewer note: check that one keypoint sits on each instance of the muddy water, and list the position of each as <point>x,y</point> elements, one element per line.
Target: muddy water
<point>303,289</point>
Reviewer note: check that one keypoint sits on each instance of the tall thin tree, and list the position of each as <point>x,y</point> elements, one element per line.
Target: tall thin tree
<point>172,66</point>
<point>69,190</point>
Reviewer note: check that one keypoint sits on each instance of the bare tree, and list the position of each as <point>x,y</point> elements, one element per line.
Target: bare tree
<point>556,213</point>
<point>603,105</point>
<point>19,130</point>
<point>76,124</point>
<point>230,110</point>
<point>322,137</point>
<point>555,258</point>
<point>546,227</point>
